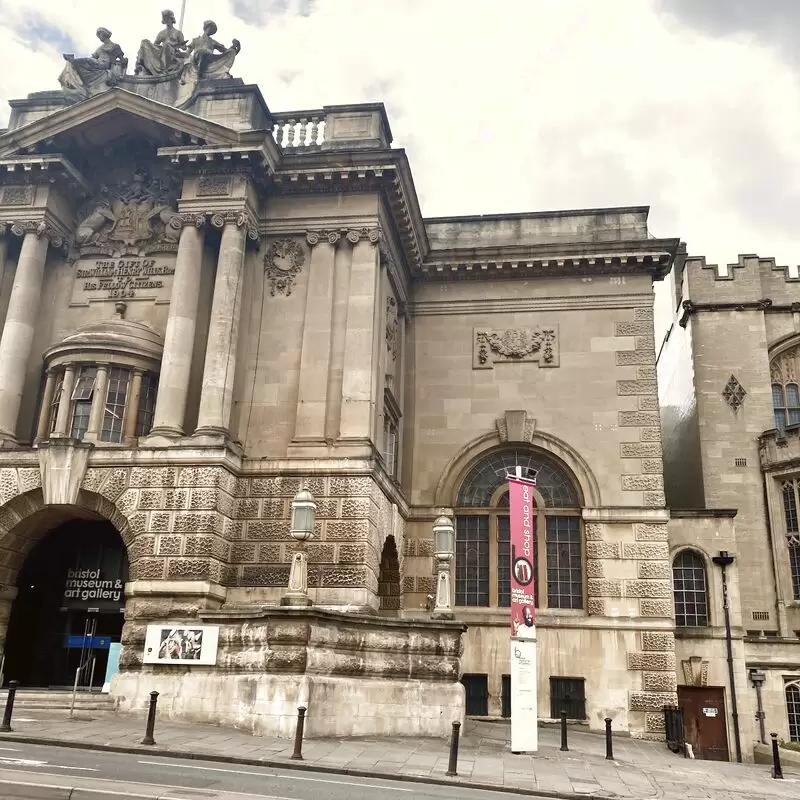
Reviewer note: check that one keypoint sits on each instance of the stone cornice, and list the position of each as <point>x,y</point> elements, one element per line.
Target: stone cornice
<point>422,308</point>
<point>44,169</point>
<point>766,305</point>
<point>230,159</point>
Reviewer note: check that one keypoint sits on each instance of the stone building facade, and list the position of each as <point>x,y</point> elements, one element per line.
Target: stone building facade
<point>729,408</point>
<point>206,306</point>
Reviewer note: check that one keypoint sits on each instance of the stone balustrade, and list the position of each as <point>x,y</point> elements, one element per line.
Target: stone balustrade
<point>299,129</point>
<point>360,127</point>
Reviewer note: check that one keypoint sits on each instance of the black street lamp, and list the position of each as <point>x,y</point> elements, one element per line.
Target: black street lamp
<point>723,561</point>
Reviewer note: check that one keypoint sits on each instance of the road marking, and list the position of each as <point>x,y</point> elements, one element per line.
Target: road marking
<point>10,749</point>
<point>274,775</point>
<point>27,762</point>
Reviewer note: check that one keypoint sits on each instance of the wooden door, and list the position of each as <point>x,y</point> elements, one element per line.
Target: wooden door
<point>705,721</point>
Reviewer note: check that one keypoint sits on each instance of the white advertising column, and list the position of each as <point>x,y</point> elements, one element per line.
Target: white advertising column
<point>524,699</point>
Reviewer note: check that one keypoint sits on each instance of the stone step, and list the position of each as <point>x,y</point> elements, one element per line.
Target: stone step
<point>61,700</point>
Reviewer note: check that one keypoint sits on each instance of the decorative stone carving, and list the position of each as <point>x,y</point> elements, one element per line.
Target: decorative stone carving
<point>18,195</point>
<point>695,671</point>
<point>392,328</point>
<point>515,345</point>
<point>783,368</point>
<point>166,53</point>
<point>130,216</point>
<point>97,73</point>
<point>282,264</point>
<point>40,228</point>
<point>516,426</point>
<point>213,186</point>
<point>734,393</point>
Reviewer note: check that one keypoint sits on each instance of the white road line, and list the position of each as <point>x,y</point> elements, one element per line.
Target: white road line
<point>10,749</point>
<point>274,775</point>
<point>27,762</point>
<point>64,766</point>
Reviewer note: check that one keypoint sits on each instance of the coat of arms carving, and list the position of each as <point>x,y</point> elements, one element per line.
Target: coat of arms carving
<point>515,344</point>
<point>131,217</point>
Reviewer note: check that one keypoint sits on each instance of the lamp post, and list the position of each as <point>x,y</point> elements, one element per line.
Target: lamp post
<point>304,514</point>
<point>757,678</point>
<point>723,561</point>
<point>444,537</point>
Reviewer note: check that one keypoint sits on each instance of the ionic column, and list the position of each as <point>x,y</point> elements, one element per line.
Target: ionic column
<point>173,381</point>
<point>17,338</point>
<point>360,349</point>
<point>65,403</point>
<point>312,396</point>
<point>98,404</point>
<point>43,429</point>
<point>132,408</point>
<point>216,396</point>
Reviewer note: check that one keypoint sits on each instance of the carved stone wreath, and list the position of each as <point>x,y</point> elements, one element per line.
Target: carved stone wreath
<point>516,344</point>
<point>283,262</point>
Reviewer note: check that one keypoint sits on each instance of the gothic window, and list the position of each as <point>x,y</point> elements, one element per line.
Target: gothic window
<point>785,389</point>
<point>690,589</point>
<point>794,564</point>
<point>789,491</point>
<point>793,710</point>
<point>483,540</point>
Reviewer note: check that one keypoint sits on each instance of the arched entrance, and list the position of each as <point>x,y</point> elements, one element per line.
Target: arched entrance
<point>389,577</point>
<point>68,612</point>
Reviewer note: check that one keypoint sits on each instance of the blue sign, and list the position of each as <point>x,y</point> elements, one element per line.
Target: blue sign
<point>112,668</point>
<point>88,642</point>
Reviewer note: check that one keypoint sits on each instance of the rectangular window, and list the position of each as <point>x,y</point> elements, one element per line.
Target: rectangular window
<point>82,401</point>
<point>568,694</point>
<point>564,576</point>
<point>794,564</point>
<point>147,404</point>
<point>476,688</point>
<point>793,711</point>
<point>504,562</point>
<point>472,561</point>
<point>56,401</point>
<point>84,385</point>
<point>116,398</point>
<point>390,442</point>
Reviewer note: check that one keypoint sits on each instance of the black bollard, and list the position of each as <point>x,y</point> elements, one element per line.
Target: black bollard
<point>12,691</point>
<point>452,767</point>
<point>564,747</point>
<point>777,772</point>
<point>151,720</point>
<point>609,744</point>
<point>298,733</point>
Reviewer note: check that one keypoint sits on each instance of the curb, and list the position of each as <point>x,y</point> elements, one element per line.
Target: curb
<point>294,765</point>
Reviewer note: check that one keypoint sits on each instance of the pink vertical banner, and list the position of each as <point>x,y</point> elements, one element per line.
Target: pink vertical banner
<point>523,542</point>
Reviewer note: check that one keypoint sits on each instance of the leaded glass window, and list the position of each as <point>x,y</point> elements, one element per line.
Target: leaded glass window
<point>786,404</point>
<point>558,556</point>
<point>793,711</point>
<point>790,507</point>
<point>794,563</point>
<point>116,397</point>
<point>472,561</point>
<point>690,590</point>
<point>147,404</point>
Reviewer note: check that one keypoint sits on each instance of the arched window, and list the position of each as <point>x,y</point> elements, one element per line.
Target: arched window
<point>483,537</point>
<point>690,589</point>
<point>785,391</point>
<point>793,710</point>
<point>790,490</point>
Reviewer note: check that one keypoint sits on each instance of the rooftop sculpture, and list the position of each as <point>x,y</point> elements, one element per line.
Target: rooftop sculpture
<point>169,59</point>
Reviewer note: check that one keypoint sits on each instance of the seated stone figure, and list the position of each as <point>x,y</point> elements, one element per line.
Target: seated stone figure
<point>98,72</point>
<point>166,54</point>
<point>207,57</point>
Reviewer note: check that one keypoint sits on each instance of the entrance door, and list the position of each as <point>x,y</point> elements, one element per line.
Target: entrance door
<point>69,607</point>
<point>705,721</point>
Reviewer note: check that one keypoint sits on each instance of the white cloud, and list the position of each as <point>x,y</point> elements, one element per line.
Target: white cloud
<point>515,105</point>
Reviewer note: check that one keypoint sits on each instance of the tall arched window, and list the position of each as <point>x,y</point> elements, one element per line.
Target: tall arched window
<point>793,710</point>
<point>785,389</point>
<point>483,541</point>
<point>690,589</point>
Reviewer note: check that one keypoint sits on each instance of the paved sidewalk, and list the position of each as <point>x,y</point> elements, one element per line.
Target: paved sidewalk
<point>641,769</point>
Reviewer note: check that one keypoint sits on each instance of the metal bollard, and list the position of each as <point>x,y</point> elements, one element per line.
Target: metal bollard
<point>564,747</point>
<point>151,720</point>
<point>609,744</point>
<point>12,691</point>
<point>298,734</point>
<point>452,767</point>
<point>777,772</point>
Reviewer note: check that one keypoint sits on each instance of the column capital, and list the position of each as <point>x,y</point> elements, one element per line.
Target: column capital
<point>241,219</point>
<point>314,237</point>
<point>372,235</point>
<point>336,236</point>
<point>41,228</point>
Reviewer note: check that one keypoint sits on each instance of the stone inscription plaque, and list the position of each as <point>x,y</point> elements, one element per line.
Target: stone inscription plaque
<point>125,279</point>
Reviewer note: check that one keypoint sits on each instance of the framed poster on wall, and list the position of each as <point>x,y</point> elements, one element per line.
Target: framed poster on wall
<point>189,645</point>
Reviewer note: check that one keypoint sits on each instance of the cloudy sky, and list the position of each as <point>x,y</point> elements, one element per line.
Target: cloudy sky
<point>689,106</point>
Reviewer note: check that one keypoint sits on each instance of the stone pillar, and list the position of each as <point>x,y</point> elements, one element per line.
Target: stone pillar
<point>43,429</point>
<point>65,403</point>
<point>173,381</point>
<point>216,397</point>
<point>132,408</point>
<point>98,404</point>
<point>17,338</point>
<point>341,288</point>
<point>312,397</point>
<point>358,380</point>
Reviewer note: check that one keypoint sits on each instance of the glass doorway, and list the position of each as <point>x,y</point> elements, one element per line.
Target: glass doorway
<point>69,607</point>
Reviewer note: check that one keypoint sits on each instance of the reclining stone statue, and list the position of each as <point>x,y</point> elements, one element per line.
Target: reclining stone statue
<point>103,69</point>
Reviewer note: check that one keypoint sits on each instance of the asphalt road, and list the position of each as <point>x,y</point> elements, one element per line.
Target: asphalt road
<point>173,775</point>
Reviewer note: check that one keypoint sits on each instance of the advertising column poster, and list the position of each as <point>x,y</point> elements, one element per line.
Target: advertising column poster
<point>524,700</point>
